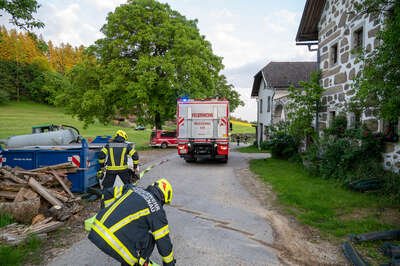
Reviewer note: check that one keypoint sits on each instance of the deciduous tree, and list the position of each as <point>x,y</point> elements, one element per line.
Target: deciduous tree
<point>303,106</point>
<point>21,12</point>
<point>150,56</point>
<point>379,84</point>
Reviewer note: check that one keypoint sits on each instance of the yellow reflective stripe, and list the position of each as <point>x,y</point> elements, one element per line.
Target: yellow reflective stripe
<point>123,156</point>
<point>102,160</point>
<point>117,203</point>
<point>160,233</point>
<point>107,203</point>
<point>112,160</point>
<point>132,152</point>
<point>169,258</point>
<point>129,219</point>
<point>121,167</point>
<point>104,150</point>
<point>142,261</point>
<point>136,162</point>
<point>114,242</point>
<point>118,191</point>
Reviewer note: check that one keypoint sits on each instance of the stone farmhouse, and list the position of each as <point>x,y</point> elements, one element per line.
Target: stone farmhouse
<point>339,32</point>
<point>270,88</point>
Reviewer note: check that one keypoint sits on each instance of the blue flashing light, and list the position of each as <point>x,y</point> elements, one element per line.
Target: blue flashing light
<point>185,99</point>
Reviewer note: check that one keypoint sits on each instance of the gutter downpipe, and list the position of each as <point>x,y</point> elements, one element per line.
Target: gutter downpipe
<point>258,122</point>
<point>318,103</point>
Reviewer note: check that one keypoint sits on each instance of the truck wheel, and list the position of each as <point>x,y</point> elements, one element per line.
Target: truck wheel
<point>225,160</point>
<point>192,160</point>
<point>164,145</point>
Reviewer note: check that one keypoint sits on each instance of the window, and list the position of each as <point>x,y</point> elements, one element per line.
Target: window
<point>269,104</point>
<point>261,106</point>
<point>353,120</point>
<point>168,134</point>
<point>334,54</point>
<point>358,39</point>
<point>332,115</point>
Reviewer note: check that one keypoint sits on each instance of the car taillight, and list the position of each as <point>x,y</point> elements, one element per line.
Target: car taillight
<point>182,149</point>
<point>222,149</point>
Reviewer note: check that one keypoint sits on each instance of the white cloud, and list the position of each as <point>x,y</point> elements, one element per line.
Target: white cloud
<point>104,4</point>
<point>222,14</point>
<point>245,38</point>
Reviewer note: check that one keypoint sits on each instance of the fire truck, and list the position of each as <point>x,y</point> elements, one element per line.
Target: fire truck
<point>203,129</point>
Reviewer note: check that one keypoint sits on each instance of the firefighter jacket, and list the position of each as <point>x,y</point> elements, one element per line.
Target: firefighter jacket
<point>114,156</point>
<point>124,225</point>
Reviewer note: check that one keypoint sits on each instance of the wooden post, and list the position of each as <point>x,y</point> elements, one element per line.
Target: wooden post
<point>42,191</point>
<point>62,183</point>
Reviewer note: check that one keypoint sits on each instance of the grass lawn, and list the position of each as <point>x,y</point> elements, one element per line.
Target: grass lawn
<point>251,149</point>
<point>326,205</point>
<point>18,118</point>
<point>242,127</point>
<point>29,250</point>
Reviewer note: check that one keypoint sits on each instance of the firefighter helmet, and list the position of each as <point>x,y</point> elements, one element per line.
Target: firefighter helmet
<point>165,187</point>
<point>122,134</point>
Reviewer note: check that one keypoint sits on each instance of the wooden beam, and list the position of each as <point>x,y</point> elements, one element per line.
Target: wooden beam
<point>53,167</point>
<point>42,191</point>
<point>8,194</point>
<point>62,183</point>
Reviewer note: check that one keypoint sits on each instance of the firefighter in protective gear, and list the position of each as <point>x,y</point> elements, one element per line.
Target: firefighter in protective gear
<point>134,223</point>
<point>114,159</point>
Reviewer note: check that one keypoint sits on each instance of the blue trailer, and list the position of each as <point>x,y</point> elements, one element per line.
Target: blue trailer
<point>81,155</point>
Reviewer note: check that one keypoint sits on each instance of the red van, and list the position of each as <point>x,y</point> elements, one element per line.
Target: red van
<point>163,138</point>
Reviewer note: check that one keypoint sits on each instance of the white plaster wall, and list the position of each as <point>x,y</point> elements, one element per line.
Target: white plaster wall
<point>264,117</point>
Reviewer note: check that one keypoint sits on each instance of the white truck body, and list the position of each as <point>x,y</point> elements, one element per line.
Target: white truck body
<point>203,121</point>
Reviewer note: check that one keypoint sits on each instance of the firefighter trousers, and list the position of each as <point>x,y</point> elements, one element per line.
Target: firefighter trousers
<point>146,251</point>
<point>143,253</point>
<point>110,176</point>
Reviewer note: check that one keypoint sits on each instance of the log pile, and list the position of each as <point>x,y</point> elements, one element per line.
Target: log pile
<point>40,198</point>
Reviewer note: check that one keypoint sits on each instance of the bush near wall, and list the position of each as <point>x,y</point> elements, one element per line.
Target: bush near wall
<point>350,155</point>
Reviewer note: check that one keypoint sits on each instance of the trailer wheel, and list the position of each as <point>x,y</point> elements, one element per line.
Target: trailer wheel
<point>164,145</point>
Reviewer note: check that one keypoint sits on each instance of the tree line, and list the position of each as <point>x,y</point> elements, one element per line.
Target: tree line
<point>149,57</point>
<point>29,66</point>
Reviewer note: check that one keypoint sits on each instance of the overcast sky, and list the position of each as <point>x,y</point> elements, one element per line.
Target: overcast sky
<point>246,33</point>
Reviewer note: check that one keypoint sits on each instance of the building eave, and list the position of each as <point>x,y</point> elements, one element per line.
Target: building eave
<point>308,28</point>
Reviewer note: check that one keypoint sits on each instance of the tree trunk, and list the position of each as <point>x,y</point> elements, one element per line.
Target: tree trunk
<point>157,121</point>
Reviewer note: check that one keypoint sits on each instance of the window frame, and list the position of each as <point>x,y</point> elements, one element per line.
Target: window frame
<point>355,48</point>
<point>333,62</point>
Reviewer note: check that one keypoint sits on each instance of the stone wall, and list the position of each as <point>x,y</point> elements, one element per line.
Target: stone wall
<point>392,157</point>
<point>338,28</point>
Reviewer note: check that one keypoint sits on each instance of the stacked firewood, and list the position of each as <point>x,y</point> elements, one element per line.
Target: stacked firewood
<point>39,198</point>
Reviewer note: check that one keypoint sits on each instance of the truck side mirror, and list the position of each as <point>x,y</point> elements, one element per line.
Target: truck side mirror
<point>230,126</point>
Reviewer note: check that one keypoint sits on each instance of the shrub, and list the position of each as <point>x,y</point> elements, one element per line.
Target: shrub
<point>264,145</point>
<point>337,157</point>
<point>346,155</point>
<point>337,127</point>
<point>282,145</point>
